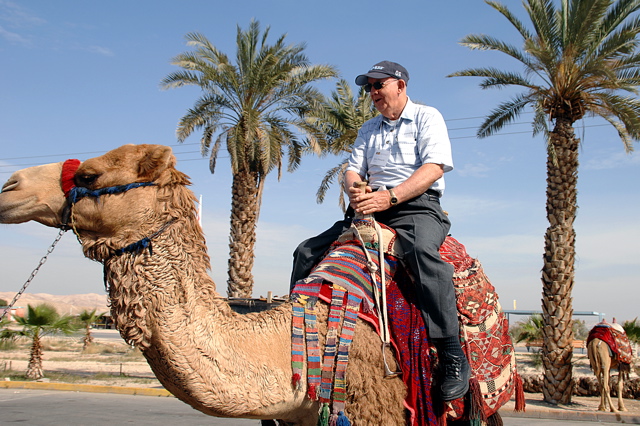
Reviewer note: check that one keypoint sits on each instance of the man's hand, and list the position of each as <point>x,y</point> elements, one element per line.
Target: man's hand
<point>369,202</point>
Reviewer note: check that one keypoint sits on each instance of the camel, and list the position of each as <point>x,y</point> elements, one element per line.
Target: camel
<point>221,363</point>
<point>602,361</point>
<point>136,215</point>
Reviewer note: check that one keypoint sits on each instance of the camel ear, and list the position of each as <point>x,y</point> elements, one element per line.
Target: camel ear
<point>155,160</point>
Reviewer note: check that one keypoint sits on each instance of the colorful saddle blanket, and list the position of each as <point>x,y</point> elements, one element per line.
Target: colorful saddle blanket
<point>342,280</point>
<point>617,341</point>
<point>484,333</point>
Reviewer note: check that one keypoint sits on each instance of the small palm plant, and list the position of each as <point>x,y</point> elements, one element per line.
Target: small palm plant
<point>8,336</point>
<point>86,318</point>
<point>42,320</point>
<point>531,329</point>
<point>632,328</point>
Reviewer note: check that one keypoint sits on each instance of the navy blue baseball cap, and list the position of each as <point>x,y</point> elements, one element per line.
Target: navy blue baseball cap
<point>384,69</point>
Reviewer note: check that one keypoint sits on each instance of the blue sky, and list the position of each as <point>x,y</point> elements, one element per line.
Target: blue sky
<point>82,77</point>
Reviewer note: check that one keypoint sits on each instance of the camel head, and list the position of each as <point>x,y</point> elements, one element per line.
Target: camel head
<point>33,194</point>
<point>143,177</point>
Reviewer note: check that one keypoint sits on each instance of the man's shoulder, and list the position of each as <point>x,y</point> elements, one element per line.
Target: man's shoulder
<point>371,125</point>
<point>426,109</point>
<point>421,111</point>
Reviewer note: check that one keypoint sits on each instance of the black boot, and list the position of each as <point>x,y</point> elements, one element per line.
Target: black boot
<point>457,373</point>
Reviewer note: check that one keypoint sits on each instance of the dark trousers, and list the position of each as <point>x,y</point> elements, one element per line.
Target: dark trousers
<point>421,227</point>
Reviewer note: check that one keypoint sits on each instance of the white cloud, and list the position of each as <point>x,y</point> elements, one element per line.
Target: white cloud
<point>614,247</point>
<point>12,37</point>
<point>478,170</point>
<point>105,51</point>
<point>612,160</point>
<point>467,206</point>
<point>16,16</point>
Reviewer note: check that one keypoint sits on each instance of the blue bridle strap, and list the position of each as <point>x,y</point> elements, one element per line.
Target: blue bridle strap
<point>143,243</point>
<point>78,192</point>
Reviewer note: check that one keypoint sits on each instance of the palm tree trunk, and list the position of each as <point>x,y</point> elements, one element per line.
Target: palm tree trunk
<point>88,338</point>
<point>242,240</point>
<point>34,369</point>
<point>558,269</point>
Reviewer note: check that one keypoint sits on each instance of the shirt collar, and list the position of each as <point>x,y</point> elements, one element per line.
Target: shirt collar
<point>408,113</point>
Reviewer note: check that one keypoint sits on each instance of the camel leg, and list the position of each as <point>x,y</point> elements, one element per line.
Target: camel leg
<point>606,389</point>
<point>603,392</point>
<point>621,406</point>
<point>601,365</point>
<point>599,372</point>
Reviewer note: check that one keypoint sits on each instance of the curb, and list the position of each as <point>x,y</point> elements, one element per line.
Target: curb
<point>86,388</point>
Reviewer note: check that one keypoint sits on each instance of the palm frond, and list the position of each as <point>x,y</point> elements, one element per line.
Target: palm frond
<point>504,114</point>
<point>548,30</point>
<point>522,29</point>
<point>485,42</point>
<point>495,78</point>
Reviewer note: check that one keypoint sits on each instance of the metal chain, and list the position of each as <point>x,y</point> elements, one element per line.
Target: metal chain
<point>33,274</point>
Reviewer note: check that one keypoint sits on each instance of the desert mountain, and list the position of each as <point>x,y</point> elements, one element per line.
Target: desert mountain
<point>70,304</point>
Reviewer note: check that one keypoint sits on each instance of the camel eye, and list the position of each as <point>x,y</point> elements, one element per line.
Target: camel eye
<point>86,180</point>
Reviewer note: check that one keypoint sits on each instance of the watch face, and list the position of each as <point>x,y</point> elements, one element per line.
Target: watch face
<point>394,200</point>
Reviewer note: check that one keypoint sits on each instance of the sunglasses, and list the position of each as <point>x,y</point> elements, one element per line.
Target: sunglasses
<point>377,85</point>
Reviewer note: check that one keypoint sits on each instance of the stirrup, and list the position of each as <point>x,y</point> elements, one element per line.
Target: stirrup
<point>388,374</point>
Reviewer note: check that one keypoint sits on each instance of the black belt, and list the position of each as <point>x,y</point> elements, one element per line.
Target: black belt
<point>431,193</point>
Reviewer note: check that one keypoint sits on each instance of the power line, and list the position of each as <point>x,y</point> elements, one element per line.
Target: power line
<point>186,144</point>
<point>222,157</point>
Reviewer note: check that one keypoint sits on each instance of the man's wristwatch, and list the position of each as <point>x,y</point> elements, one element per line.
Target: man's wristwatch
<point>394,199</point>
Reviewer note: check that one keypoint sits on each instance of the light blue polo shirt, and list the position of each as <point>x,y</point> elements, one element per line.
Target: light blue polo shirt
<point>388,154</point>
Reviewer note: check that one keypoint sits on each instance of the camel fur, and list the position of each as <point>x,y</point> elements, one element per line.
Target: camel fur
<point>602,361</point>
<point>219,362</point>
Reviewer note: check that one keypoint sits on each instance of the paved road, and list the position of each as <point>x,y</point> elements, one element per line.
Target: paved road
<point>59,408</point>
<point>53,408</point>
<point>106,335</point>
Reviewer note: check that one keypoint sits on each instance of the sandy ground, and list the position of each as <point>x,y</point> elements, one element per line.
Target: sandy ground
<point>125,373</point>
<point>526,365</point>
<point>578,403</point>
<point>113,364</point>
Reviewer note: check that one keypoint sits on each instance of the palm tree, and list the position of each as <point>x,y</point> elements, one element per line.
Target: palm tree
<point>579,60</point>
<point>87,318</point>
<point>254,107</point>
<point>42,320</point>
<point>335,124</point>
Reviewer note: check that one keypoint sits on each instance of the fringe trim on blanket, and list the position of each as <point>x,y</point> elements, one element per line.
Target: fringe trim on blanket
<point>346,337</point>
<point>331,346</point>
